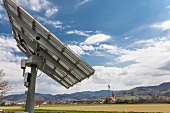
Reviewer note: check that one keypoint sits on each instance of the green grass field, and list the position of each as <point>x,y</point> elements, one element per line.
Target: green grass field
<point>114,108</point>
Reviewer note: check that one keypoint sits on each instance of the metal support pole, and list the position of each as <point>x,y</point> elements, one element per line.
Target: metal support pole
<point>31,91</point>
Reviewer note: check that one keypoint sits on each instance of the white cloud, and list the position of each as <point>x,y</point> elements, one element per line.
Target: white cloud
<point>168,7</point>
<point>35,5</point>
<point>3,18</point>
<point>97,50</point>
<point>78,50</point>
<point>8,48</point>
<point>113,76</point>
<point>127,37</point>
<point>151,60</point>
<point>163,26</point>
<point>81,49</point>
<point>49,12</point>
<point>109,48</point>
<point>80,33</point>
<point>88,47</point>
<point>1,8</point>
<point>39,5</point>
<point>82,2</point>
<point>151,49</point>
<point>98,38</point>
<point>8,42</point>
<point>55,24</point>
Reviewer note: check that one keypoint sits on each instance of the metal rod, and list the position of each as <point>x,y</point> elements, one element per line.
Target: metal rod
<point>23,72</point>
<point>31,91</point>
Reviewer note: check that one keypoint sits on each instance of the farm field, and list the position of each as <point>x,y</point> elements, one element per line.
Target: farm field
<point>114,107</point>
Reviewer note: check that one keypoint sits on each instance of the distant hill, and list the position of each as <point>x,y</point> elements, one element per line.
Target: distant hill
<point>161,87</point>
<point>74,96</point>
<point>85,95</point>
<point>160,90</point>
<point>20,97</point>
<point>15,97</point>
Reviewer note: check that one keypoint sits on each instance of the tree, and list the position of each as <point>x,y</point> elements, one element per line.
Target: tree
<point>5,86</point>
<point>39,100</point>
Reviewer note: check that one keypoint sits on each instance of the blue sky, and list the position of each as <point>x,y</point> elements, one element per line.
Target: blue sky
<point>127,42</point>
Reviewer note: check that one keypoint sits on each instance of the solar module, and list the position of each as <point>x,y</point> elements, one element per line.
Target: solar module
<point>59,61</point>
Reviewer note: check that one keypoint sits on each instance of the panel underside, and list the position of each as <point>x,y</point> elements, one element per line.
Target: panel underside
<point>60,62</point>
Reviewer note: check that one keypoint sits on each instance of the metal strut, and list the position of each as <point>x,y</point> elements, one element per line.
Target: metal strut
<point>30,79</point>
<point>31,91</point>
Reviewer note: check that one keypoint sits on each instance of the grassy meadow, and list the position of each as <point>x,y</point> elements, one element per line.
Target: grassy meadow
<point>103,108</point>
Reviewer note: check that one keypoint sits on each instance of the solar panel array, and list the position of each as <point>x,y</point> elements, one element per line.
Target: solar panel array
<point>60,62</point>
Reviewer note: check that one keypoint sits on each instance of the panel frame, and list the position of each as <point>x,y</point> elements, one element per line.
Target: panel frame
<point>68,68</point>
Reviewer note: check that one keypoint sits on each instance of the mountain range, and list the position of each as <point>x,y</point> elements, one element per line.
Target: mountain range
<point>159,90</point>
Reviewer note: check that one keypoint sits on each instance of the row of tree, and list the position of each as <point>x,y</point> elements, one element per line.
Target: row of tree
<point>145,100</point>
